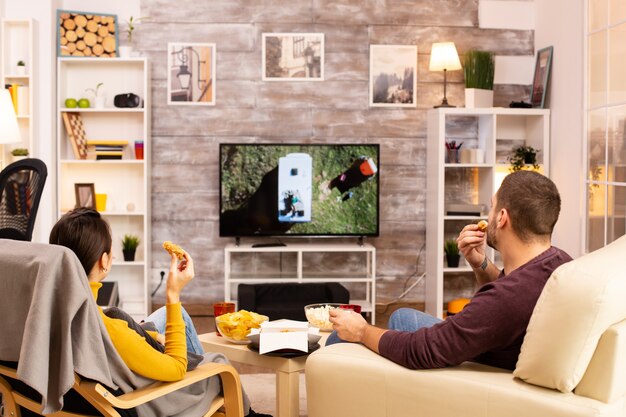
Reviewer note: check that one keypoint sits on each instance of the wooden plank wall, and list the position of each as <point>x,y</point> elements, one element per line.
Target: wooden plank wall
<point>185,182</point>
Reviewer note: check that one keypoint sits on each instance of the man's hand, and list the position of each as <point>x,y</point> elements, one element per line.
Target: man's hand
<point>350,326</point>
<point>472,242</point>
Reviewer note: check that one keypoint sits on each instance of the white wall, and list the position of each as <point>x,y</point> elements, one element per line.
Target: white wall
<point>560,23</point>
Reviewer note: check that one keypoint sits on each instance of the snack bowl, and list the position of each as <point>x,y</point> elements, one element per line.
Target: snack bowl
<point>235,327</point>
<point>318,315</point>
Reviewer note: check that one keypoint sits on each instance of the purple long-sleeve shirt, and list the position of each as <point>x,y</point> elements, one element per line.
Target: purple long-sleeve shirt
<point>489,330</point>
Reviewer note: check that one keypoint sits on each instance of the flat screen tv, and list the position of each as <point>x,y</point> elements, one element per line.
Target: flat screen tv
<point>299,190</point>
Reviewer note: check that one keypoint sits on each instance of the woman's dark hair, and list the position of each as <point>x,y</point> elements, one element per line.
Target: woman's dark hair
<point>86,233</point>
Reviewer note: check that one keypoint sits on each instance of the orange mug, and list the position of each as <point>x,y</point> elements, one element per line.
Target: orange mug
<point>222,308</point>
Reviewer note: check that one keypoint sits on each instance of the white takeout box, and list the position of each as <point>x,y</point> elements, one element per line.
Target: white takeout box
<point>284,334</point>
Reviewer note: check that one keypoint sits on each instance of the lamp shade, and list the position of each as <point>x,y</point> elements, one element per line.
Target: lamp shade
<point>9,131</point>
<point>443,56</point>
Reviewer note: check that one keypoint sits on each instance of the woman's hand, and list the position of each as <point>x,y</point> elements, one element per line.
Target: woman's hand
<point>472,242</point>
<point>181,273</point>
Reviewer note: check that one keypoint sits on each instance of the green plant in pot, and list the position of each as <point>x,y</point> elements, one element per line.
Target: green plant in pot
<point>522,157</point>
<point>19,153</point>
<point>478,69</point>
<point>129,247</point>
<point>451,249</point>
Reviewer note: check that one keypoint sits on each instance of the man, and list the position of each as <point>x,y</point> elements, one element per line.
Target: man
<point>491,328</point>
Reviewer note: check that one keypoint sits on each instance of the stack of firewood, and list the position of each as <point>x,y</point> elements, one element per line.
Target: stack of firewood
<point>87,35</point>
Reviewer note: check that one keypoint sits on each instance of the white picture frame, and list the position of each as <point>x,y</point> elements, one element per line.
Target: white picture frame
<point>191,73</point>
<point>293,56</point>
<point>397,64</point>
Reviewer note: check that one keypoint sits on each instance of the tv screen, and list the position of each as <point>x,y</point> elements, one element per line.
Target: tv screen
<point>298,190</point>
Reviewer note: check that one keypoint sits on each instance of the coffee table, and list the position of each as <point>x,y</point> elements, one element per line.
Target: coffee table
<point>287,369</point>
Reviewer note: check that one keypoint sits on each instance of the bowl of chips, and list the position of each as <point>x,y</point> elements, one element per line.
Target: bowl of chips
<point>236,326</point>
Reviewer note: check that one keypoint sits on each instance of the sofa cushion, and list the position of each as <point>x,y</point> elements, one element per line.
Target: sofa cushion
<point>578,304</point>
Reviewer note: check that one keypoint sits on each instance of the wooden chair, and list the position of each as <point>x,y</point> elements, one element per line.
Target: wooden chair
<point>51,326</point>
<point>227,405</point>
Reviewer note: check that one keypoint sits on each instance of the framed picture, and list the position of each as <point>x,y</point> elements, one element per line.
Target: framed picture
<point>191,74</point>
<point>293,56</point>
<point>87,34</point>
<point>541,78</point>
<point>85,195</point>
<point>393,70</point>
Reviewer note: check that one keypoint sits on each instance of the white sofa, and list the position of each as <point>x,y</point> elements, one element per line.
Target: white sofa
<point>576,342</point>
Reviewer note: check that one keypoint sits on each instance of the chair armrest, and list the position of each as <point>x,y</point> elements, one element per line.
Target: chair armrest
<point>231,387</point>
<point>246,297</point>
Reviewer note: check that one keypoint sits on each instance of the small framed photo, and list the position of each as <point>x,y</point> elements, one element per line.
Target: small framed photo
<point>393,70</point>
<point>191,74</point>
<point>85,195</point>
<point>87,34</point>
<point>541,78</point>
<point>293,56</point>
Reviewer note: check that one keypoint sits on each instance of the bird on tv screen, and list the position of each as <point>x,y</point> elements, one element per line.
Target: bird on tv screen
<point>299,190</point>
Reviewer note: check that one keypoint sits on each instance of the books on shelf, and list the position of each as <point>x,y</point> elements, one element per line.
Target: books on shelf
<point>100,149</point>
<point>20,98</point>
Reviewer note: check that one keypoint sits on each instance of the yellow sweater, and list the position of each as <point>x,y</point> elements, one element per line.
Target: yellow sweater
<point>142,358</point>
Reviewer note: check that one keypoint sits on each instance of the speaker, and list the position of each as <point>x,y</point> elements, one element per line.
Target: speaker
<point>128,100</point>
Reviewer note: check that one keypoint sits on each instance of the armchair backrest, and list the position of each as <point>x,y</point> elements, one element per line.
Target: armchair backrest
<point>21,187</point>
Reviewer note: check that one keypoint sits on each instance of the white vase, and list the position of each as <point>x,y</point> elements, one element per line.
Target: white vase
<point>17,158</point>
<point>100,102</point>
<point>477,97</point>
<point>125,51</point>
<point>20,70</point>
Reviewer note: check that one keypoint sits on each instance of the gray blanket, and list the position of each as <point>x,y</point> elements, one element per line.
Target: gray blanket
<point>50,324</point>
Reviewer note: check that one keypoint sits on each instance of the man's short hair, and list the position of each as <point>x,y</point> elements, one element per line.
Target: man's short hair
<point>533,203</point>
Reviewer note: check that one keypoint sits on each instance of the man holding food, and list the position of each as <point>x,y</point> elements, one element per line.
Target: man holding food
<point>491,328</point>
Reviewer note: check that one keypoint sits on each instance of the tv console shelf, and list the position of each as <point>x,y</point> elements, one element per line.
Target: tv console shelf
<point>367,277</point>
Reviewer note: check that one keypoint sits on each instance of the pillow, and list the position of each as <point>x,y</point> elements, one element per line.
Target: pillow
<point>580,301</point>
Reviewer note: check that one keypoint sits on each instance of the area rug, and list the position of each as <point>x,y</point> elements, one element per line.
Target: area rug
<point>261,389</point>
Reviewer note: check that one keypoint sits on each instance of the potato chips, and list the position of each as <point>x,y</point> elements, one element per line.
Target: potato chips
<point>237,325</point>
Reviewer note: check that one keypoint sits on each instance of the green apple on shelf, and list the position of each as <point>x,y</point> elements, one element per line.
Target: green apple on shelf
<point>83,103</point>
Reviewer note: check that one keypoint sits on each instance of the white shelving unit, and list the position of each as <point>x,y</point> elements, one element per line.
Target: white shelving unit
<point>366,277</point>
<point>17,45</point>
<point>127,181</point>
<point>496,131</point>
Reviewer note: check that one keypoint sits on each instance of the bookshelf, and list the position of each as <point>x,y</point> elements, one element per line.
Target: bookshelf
<point>17,37</point>
<point>494,133</point>
<point>125,181</point>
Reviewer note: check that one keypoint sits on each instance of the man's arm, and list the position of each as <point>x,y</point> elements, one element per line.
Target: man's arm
<point>485,272</point>
<point>352,327</point>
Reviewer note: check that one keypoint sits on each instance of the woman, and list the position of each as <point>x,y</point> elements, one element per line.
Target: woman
<point>88,235</point>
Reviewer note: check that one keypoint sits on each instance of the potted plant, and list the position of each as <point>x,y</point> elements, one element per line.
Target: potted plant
<point>99,99</point>
<point>21,67</point>
<point>127,50</point>
<point>523,156</point>
<point>19,153</point>
<point>451,249</point>
<point>129,247</point>
<point>478,68</point>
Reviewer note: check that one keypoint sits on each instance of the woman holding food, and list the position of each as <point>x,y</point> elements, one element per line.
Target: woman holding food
<point>88,235</point>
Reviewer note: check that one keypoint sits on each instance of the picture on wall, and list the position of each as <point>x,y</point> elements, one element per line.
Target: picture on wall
<point>541,78</point>
<point>393,70</point>
<point>293,56</point>
<point>86,34</point>
<point>191,74</point>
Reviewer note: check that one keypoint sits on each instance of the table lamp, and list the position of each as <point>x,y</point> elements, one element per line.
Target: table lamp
<point>10,132</point>
<point>443,57</point>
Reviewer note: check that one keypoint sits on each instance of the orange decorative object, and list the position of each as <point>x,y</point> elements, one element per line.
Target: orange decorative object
<point>455,306</point>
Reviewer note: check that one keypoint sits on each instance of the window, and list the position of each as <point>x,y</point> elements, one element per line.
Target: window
<point>606,120</point>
